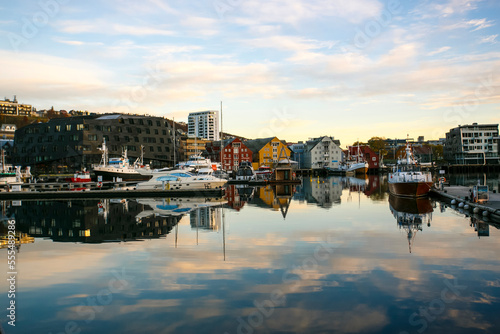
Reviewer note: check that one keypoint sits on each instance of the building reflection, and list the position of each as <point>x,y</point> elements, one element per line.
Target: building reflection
<point>324,192</point>
<point>98,221</point>
<point>238,195</point>
<point>411,214</point>
<point>277,198</point>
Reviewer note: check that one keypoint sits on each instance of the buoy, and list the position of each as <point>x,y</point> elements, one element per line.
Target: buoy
<point>485,213</point>
<point>461,204</point>
<point>453,201</point>
<point>466,207</point>
<point>476,210</point>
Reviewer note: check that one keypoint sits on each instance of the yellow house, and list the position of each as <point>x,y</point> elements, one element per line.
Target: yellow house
<point>267,151</point>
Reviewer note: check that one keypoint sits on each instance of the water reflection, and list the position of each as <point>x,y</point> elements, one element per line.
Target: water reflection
<point>411,214</point>
<point>99,221</point>
<point>329,268</point>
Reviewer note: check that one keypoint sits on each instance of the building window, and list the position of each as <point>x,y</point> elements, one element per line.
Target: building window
<point>92,137</point>
<point>68,127</point>
<point>79,127</point>
<point>58,128</point>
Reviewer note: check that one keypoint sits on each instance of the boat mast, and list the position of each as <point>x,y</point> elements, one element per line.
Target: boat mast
<point>221,137</point>
<point>173,125</point>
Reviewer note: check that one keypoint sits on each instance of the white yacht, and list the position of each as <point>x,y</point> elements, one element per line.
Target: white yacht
<point>183,180</point>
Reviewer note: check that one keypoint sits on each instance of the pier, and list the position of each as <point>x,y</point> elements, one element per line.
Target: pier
<point>460,196</point>
<point>49,191</point>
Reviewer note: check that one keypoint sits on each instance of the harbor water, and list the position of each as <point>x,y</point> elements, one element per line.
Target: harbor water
<point>333,255</point>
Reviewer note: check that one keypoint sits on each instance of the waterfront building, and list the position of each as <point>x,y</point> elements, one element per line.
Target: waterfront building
<point>234,151</point>
<point>322,152</point>
<point>204,124</point>
<point>474,144</point>
<point>190,146</point>
<point>71,143</point>
<point>297,152</point>
<point>267,151</point>
<point>14,108</point>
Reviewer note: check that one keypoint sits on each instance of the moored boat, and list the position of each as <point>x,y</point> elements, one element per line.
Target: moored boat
<point>80,177</point>
<point>407,179</point>
<point>114,168</point>
<point>183,181</point>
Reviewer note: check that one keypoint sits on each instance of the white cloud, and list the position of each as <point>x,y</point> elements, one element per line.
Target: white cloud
<point>294,12</point>
<point>109,28</point>
<point>438,51</point>
<point>480,24</point>
<point>488,39</point>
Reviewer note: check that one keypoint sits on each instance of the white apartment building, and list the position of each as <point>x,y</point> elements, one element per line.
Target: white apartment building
<point>204,124</point>
<point>323,152</point>
<point>475,144</point>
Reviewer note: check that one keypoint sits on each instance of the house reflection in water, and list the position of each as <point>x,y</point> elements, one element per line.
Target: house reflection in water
<point>324,192</point>
<point>411,214</point>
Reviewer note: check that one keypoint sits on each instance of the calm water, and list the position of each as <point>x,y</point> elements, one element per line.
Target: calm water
<point>331,256</point>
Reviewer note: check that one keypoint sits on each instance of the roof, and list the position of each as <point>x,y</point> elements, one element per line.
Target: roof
<point>255,145</point>
<point>310,144</point>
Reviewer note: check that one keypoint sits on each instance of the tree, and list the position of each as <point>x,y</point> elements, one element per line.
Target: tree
<point>378,144</point>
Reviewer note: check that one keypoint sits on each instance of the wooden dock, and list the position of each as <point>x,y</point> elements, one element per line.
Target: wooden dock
<point>460,197</point>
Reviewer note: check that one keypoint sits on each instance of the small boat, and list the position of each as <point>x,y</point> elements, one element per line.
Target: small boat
<point>263,173</point>
<point>407,179</point>
<point>80,177</point>
<point>356,164</point>
<point>183,180</point>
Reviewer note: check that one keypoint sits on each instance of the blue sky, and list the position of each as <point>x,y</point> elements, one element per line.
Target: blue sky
<point>291,68</point>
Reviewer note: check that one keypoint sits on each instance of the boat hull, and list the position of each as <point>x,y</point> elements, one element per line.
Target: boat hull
<point>410,189</point>
<point>110,175</point>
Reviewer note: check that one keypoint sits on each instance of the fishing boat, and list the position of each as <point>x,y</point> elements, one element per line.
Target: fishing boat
<point>12,175</point>
<point>407,179</point>
<point>245,172</point>
<point>118,168</point>
<point>183,180</point>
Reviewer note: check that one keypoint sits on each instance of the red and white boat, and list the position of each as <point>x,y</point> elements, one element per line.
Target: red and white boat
<point>407,179</point>
<point>263,173</point>
<point>80,177</point>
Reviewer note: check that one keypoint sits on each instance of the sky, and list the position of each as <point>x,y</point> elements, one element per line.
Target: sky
<point>295,69</point>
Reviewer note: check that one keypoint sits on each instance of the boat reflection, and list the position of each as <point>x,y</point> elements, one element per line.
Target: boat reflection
<point>411,214</point>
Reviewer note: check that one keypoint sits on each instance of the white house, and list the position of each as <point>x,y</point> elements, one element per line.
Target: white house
<point>322,152</point>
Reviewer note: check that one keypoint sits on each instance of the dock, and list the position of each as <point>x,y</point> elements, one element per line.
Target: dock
<point>54,193</point>
<point>460,196</point>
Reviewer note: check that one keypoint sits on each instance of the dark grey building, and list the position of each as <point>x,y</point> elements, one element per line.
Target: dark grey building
<point>72,143</point>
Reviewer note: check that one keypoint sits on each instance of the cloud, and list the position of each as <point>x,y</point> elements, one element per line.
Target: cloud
<point>488,39</point>
<point>438,51</point>
<point>480,24</point>
<point>294,12</point>
<point>109,28</point>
